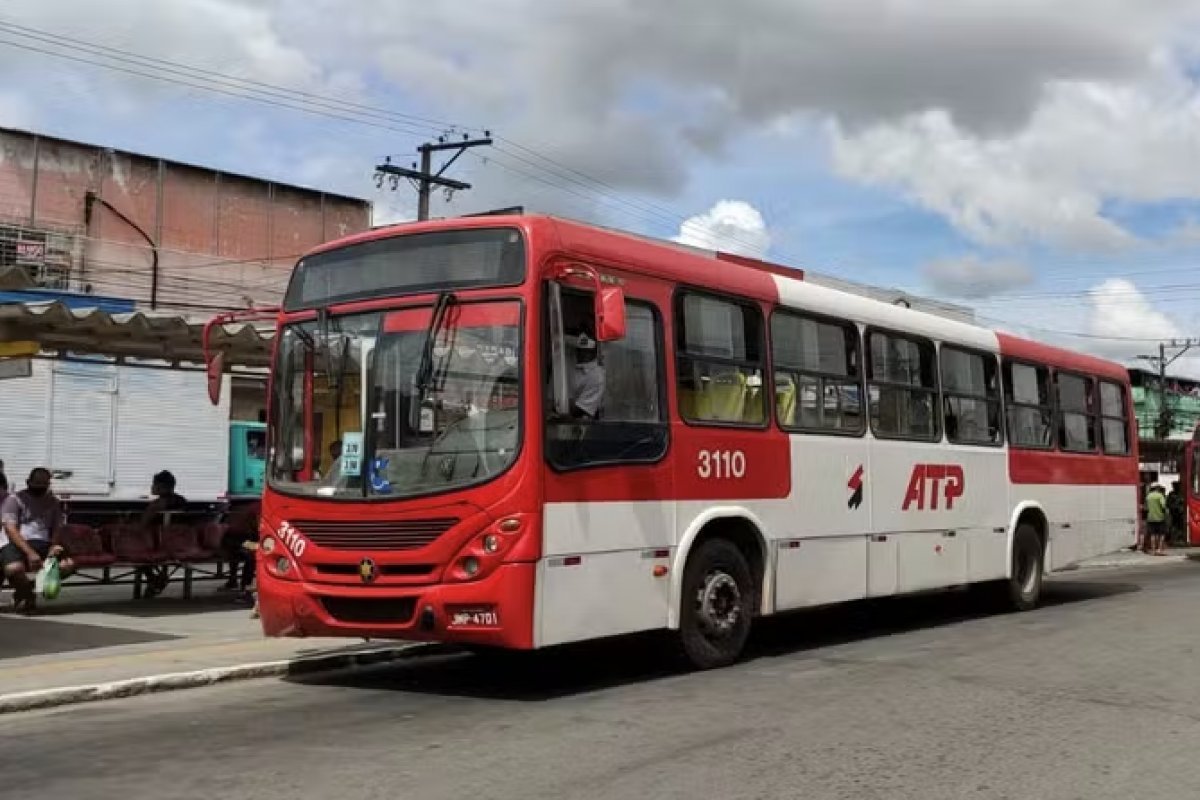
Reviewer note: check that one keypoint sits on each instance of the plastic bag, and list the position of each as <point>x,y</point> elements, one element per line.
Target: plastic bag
<point>48,581</point>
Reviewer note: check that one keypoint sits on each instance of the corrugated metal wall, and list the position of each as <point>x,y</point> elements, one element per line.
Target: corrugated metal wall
<point>118,424</point>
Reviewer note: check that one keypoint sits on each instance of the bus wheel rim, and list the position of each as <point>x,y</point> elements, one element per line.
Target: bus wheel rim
<point>719,603</point>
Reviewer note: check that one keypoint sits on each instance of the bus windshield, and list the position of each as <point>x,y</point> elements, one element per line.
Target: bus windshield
<point>400,403</point>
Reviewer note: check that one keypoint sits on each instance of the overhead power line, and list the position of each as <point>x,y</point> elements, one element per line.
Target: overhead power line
<point>271,95</point>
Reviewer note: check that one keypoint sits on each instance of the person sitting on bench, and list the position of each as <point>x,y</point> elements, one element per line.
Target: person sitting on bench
<point>29,520</point>
<point>166,500</point>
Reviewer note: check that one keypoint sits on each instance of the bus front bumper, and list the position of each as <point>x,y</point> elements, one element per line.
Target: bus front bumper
<point>495,611</point>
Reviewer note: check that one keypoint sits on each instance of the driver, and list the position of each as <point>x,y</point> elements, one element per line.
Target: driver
<point>587,379</point>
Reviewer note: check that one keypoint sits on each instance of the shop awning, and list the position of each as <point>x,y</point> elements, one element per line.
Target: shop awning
<point>140,336</point>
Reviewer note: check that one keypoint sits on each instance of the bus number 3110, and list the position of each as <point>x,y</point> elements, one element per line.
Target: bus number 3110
<point>721,464</point>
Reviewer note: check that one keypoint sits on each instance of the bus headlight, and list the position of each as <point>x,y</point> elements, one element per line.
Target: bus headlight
<point>470,566</point>
<point>491,543</point>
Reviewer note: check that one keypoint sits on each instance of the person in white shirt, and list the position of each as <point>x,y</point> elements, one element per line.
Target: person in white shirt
<point>30,519</point>
<point>587,379</point>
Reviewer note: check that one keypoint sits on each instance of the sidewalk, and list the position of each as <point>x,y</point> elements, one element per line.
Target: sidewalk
<point>1130,558</point>
<point>94,643</point>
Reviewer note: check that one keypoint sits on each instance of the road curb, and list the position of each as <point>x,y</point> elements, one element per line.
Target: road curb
<point>1116,563</point>
<point>132,687</point>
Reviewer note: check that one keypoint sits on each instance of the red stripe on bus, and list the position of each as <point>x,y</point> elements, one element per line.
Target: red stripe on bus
<point>1071,469</point>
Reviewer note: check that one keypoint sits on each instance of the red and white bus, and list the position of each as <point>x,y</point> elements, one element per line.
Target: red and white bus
<point>520,431</point>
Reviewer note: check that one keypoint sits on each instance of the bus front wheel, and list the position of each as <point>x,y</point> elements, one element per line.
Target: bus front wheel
<point>716,606</point>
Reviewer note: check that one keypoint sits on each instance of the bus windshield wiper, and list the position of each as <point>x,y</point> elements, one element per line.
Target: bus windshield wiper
<point>425,369</point>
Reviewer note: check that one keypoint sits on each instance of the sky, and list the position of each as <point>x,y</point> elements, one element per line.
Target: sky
<point>1039,162</point>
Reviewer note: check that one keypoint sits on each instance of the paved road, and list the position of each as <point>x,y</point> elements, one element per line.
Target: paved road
<point>1093,696</point>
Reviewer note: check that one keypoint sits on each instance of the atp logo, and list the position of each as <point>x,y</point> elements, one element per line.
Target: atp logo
<point>928,480</point>
<point>855,485</point>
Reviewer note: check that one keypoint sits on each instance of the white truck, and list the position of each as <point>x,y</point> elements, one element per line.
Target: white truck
<point>104,430</point>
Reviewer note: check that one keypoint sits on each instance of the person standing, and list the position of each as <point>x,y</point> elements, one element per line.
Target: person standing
<point>1156,520</point>
<point>1177,514</point>
<point>30,520</point>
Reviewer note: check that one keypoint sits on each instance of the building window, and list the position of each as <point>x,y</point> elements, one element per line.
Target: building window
<point>720,369</point>
<point>1076,413</point>
<point>971,397</point>
<point>628,424</point>
<point>903,387</point>
<point>818,381</point>
<point>1114,418</point>
<point>1030,408</point>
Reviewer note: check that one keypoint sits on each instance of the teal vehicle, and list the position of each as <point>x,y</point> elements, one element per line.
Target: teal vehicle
<point>247,458</point>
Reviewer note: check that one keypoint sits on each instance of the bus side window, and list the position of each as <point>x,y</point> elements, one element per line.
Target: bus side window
<point>1076,412</point>
<point>1027,396</point>
<point>720,364</point>
<point>903,388</point>
<point>1114,419</point>
<point>817,375</point>
<point>971,396</point>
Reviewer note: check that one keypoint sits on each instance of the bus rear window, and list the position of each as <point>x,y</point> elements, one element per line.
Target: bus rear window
<point>416,263</point>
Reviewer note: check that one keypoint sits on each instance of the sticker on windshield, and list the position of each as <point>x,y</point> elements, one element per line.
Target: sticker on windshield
<point>352,452</point>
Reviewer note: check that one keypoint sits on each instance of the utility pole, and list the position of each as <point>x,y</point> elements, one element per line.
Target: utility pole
<point>1179,346</point>
<point>424,178</point>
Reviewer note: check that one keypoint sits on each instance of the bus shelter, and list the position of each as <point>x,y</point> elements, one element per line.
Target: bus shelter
<point>54,329</point>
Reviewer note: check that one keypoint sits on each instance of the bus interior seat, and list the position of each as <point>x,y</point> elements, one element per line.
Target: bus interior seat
<point>785,400</point>
<point>725,397</point>
<point>755,410</point>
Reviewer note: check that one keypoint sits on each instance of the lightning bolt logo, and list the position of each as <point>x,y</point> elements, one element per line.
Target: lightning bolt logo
<point>855,485</point>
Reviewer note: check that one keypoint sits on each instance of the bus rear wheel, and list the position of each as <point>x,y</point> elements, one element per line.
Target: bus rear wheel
<point>1024,588</point>
<point>717,605</point>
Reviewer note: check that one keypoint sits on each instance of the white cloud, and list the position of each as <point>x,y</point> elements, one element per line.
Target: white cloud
<point>623,90</point>
<point>733,226</point>
<point>973,278</point>
<point>1086,143</point>
<point>1118,309</point>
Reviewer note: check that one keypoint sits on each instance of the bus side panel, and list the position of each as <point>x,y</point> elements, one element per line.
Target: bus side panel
<point>945,506</point>
<point>1121,518</point>
<point>1084,521</point>
<point>597,573</point>
<point>822,545</point>
<point>1090,501</point>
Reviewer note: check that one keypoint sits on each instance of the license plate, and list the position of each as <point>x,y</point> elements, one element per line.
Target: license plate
<point>474,618</point>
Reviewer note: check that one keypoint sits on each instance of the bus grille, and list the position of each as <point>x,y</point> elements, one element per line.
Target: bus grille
<point>409,534</point>
<point>396,611</point>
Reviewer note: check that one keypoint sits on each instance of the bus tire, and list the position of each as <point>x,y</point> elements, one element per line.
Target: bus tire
<point>716,605</point>
<point>1024,588</point>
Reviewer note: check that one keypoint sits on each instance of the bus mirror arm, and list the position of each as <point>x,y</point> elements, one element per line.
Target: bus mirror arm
<point>214,360</point>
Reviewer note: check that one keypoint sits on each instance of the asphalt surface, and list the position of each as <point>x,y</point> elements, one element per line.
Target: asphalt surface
<point>1092,696</point>
<point>34,637</point>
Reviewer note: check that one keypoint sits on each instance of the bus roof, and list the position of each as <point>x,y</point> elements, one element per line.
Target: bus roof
<point>750,277</point>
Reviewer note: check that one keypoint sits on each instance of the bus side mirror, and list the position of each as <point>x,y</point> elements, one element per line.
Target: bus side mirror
<point>610,314</point>
<point>216,377</point>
